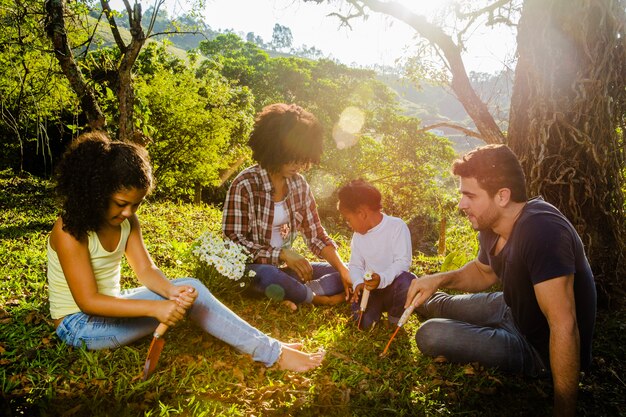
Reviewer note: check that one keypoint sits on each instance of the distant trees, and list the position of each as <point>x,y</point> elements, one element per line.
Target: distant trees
<point>121,83</point>
<point>282,38</point>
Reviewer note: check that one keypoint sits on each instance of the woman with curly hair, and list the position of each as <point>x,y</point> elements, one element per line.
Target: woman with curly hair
<point>268,203</point>
<point>101,184</point>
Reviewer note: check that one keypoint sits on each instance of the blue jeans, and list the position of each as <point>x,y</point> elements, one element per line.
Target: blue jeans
<point>476,328</point>
<point>207,312</point>
<point>284,284</point>
<point>390,299</point>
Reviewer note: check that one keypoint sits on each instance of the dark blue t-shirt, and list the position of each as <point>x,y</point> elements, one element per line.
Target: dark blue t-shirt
<point>543,245</point>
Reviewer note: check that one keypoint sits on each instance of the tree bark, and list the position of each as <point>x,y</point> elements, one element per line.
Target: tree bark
<point>125,91</point>
<point>567,103</point>
<point>55,28</point>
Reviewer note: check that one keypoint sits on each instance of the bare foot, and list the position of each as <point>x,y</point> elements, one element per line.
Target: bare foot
<point>294,346</point>
<point>298,361</point>
<point>290,305</point>
<point>328,300</point>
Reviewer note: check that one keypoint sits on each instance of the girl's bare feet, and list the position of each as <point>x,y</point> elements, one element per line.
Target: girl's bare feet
<point>295,360</point>
<point>328,300</point>
<point>295,345</point>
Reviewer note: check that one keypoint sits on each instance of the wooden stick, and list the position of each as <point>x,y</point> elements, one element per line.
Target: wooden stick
<point>403,319</point>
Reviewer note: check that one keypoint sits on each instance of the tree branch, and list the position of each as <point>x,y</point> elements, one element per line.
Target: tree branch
<point>55,29</point>
<point>106,8</point>
<point>460,83</point>
<point>465,130</point>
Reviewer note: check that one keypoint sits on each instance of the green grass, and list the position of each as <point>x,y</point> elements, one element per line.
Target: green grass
<point>200,376</point>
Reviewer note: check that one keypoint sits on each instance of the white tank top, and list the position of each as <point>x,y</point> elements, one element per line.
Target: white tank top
<point>280,218</point>
<point>106,267</point>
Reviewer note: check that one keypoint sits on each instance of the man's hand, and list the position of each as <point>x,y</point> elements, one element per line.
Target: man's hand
<point>421,289</point>
<point>297,263</point>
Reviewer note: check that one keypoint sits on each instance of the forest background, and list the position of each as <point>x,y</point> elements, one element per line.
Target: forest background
<point>194,96</point>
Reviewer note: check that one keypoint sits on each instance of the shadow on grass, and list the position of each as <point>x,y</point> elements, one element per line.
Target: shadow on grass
<point>21,230</point>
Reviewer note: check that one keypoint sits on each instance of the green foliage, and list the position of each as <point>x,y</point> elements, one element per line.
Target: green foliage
<point>33,95</point>
<point>197,125</point>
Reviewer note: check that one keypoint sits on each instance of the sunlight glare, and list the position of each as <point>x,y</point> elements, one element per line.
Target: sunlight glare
<point>349,125</point>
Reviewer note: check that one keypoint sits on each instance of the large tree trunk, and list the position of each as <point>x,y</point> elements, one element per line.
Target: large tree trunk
<point>568,100</point>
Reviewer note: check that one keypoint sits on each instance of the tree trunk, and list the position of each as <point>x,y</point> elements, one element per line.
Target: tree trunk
<point>125,90</point>
<point>568,99</point>
<point>55,28</point>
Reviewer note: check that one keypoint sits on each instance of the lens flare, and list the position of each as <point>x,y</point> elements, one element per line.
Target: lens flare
<point>345,132</point>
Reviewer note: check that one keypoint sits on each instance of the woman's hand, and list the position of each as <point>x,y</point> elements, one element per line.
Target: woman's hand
<point>357,291</point>
<point>297,263</point>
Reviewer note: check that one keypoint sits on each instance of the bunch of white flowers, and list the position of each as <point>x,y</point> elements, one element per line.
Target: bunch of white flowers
<point>227,257</point>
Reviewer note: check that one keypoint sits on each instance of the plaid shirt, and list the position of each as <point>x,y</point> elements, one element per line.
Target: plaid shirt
<point>249,213</point>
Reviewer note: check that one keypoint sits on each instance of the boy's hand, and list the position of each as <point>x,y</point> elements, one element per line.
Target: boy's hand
<point>357,291</point>
<point>373,283</point>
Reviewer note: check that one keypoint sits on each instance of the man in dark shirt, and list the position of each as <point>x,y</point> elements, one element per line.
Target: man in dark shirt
<point>543,320</point>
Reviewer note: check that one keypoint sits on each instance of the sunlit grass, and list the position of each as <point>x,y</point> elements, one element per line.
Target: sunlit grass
<point>198,375</point>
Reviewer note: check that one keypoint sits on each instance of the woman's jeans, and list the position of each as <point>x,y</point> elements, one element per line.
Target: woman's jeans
<point>284,284</point>
<point>390,299</point>
<point>208,312</point>
<point>476,328</point>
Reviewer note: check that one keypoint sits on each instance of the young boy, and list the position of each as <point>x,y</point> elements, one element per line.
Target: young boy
<point>381,244</point>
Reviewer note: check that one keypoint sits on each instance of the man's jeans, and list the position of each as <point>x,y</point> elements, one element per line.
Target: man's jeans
<point>390,299</point>
<point>284,284</point>
<point>207,312</point>
<point>476,328</point>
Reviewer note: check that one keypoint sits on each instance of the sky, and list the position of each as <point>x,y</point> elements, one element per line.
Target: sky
<point>379,40</point>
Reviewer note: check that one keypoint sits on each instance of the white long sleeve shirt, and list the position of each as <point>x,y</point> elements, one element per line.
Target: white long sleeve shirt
<point>385,249</point>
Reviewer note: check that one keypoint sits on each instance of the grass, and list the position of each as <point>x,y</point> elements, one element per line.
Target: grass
<point>200,376</point>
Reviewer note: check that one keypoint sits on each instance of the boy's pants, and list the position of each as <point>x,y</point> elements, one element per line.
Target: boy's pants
<point>390,299</point>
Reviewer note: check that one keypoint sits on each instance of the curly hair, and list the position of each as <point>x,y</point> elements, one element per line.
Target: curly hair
<point>359,193</point>
<point>494,167</point>
<point>285,133</point>
<point>91,170</point>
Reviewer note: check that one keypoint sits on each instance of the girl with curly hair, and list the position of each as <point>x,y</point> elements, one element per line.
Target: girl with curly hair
<point>269,203</point>
<point>101,184</point>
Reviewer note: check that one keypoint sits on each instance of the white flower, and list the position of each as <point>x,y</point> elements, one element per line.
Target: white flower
<point>368,275</point>
<point>227,257</point>
<point>251,273</point>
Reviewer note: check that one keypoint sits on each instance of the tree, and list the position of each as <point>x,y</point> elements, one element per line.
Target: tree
<point>281,37</point>
<point>566,115</point>
<point>57,30</point>
<point>35,100</point>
